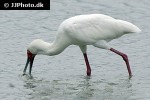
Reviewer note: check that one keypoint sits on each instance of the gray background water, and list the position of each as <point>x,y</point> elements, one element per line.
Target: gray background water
<point>63,77</point>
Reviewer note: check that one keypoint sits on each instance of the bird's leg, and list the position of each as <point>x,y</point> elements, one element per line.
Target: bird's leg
<point>87,64</point>
<point>125,58</point>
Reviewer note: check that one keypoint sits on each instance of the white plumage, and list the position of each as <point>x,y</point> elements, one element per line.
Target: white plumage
<point>82,30</point>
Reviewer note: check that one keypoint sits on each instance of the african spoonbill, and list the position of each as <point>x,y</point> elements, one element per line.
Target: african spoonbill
<point>83,30</point>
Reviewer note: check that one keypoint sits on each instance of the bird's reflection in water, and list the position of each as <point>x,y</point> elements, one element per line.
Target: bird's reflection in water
<point>29,85</point>
<point>29,82</point>
<point>105,90</point>
<point>80,88</point>
<point>87,89</point>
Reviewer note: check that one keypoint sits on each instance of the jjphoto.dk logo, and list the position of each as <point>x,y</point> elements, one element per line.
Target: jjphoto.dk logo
<point>6,5</point>
<point>25,5</point>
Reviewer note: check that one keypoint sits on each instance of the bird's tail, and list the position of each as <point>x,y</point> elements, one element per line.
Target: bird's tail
<point>129,27</point>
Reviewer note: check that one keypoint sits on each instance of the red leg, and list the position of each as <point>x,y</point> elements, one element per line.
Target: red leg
<point>87,65</point>
<point>125,58</point>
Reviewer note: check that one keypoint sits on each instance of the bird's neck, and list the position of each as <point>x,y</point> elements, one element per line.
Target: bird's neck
<point>51,49</point>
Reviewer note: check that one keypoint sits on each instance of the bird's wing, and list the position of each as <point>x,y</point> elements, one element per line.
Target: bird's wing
<point>93,30</point>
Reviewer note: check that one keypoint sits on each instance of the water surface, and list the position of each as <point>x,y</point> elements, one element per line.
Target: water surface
<point>63,77</point>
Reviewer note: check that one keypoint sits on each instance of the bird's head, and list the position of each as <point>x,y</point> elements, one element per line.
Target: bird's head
<point>37,46</point>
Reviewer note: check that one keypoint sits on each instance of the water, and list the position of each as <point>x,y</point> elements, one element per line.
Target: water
<point>63,77</point>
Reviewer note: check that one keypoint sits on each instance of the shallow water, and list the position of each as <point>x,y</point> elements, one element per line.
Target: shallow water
<point>63,77</point>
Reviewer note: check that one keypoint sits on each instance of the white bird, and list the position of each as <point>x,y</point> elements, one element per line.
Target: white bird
<point>83,30</point>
